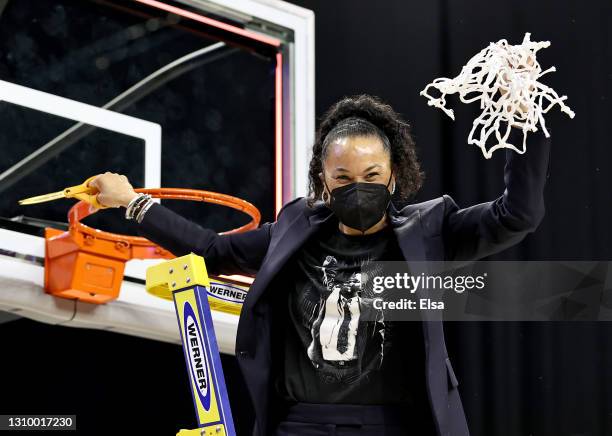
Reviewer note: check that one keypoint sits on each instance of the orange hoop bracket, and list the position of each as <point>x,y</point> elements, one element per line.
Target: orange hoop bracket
<point>88,264</point>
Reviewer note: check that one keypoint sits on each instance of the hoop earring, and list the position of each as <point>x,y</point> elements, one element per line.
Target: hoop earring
<point>325,197</point>
<point>393,190</point>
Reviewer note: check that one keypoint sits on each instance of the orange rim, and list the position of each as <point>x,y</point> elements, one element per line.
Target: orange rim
<point>83,209</point>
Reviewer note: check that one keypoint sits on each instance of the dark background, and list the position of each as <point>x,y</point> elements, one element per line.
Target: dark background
<point>515,378</point>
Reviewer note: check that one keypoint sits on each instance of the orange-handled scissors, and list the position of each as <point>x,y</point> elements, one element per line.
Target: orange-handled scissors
<point>81,192</point>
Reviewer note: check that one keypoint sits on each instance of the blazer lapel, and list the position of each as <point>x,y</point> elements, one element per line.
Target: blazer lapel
<point>293,236</point>
<point>409,231</point>
<point>408,228</point>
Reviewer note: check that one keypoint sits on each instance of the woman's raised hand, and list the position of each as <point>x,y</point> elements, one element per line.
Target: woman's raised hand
<point>114,189</point>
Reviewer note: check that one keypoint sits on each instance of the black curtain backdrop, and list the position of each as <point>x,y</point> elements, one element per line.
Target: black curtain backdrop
<point>515,378</point>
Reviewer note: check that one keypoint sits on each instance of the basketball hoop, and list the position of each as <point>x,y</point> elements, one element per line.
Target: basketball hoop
<point>87,263</point>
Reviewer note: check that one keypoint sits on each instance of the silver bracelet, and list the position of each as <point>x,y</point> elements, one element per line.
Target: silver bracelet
<point>129,210</point>
<point>145,207</point>
<point>132,209</point>
<point>130,205</point>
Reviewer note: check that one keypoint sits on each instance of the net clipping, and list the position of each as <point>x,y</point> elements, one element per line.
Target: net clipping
<point>505,79</point>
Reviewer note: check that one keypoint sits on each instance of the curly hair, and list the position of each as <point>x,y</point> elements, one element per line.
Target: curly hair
<point>366,115</point>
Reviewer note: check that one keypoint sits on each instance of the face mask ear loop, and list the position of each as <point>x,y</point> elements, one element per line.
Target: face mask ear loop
<point>328,191</point>
<point>389,182</point>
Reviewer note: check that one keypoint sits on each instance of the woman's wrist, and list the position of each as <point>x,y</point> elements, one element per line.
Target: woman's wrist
<point>128,198</point>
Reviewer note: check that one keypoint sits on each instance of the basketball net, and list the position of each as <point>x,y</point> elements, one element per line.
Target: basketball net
<point>505,79</point>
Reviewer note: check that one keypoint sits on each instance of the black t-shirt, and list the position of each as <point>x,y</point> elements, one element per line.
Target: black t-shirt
<point>329,355</point>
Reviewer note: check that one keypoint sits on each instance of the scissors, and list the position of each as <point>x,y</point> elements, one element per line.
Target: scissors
<point>81,192</point>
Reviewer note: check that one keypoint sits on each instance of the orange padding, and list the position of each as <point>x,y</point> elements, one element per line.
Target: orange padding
<point>88,264</point>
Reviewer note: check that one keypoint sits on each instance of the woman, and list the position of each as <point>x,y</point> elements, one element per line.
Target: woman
<point>310,366</point>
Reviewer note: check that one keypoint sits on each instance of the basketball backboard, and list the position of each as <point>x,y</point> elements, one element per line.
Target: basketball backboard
<point>194,94</point>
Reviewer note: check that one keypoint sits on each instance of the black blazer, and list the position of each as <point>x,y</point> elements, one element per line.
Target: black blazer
<point>433,230</point>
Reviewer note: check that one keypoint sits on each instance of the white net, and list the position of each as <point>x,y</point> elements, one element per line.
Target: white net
<point>504,78</point>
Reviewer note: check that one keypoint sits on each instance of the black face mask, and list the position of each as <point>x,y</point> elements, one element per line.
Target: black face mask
<point>360,205</point>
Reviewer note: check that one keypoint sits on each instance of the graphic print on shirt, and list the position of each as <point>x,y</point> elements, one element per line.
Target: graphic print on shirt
<point>342,346</point>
